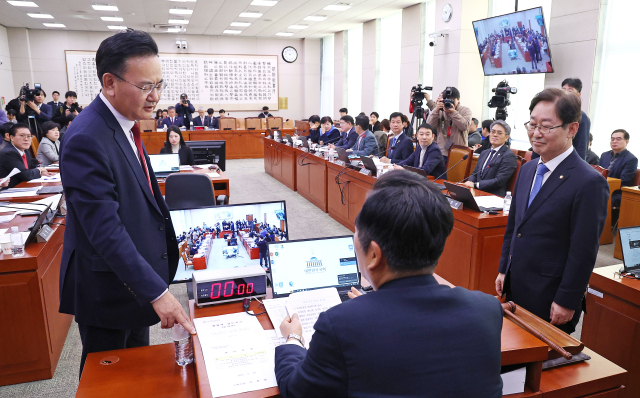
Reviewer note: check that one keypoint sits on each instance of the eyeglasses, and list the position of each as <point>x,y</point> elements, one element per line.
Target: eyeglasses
<point>542,129</point>
<point>496,132</point>
<point>24,136</point>
<point>616,139</point>
<point>147,88</point>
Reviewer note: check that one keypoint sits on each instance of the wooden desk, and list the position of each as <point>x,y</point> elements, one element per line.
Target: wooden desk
<point>347,191</point>
<point>611,325</point>
<point>607,237</point>
<point>220,184</point>
<point>311,178</point>
<point>629,214</point>
<point>240,144</point>
<point>280,162</point>
<point>139,372</point>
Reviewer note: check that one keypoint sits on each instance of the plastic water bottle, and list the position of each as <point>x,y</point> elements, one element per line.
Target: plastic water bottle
<point>507,204</point>
<point>183,345</point>
<point>17,245</point>
<point>332,154</point>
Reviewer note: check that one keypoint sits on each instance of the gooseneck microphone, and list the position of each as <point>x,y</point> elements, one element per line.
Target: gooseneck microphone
<point>465,157</point>
<point>470,175</point>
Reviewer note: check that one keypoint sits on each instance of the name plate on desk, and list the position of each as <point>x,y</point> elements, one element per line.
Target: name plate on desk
<point>340,162</point>
<point>44,234</point>
<point>305,149</point>
<point>366,172</point>
<point>319,154</point>
<point>454,204</point>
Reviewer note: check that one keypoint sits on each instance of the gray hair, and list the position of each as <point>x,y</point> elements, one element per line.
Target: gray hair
<point>507,129</point>
<point>201,108</point>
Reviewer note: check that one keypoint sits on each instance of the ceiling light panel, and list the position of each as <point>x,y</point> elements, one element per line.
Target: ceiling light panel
<point>299,27</point>
<point>315,18</point>
<point>184,1</point>
<point>284,34</point>
<point>232,32</point>
<point>180,11</point>
<point>104,7</point>
<point>41,16</point>
<point>112,19</point>
<point>337,7</point>
<point>117,27</point>
<point>264,3</point>
<point>240,24</point>
<point>22,3</point>
<point>54,25</point>
<point>250,14</point>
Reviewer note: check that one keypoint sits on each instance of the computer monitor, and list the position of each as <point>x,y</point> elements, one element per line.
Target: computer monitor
<point>219,256</point>
<point>165,164</point>
<point>209,152</point>
<point>630,244</point>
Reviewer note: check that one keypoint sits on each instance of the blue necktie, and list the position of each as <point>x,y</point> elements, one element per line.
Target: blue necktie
<point>393,143</point>
<point>537,183</point>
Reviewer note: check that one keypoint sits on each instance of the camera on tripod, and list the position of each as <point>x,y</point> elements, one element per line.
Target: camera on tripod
<point>418,92</point>
<point>447,98</point>
<point>501,99</point>
<point>28,94</point>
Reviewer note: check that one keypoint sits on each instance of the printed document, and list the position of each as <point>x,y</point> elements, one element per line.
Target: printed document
<point>308,305</point>
<point>277,311</point>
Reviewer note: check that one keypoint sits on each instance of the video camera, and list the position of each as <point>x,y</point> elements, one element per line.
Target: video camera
<point>447,98</point>
<point>501,99</point>
<point>28,94</point>
<point>418,92</point>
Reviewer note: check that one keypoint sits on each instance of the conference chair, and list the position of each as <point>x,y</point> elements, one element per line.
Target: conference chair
<point>603,171</point>
<point>528,155</point>
<point>274,122</point>
<point>462,170</point>
<point>636,178</point>
<point>512,181</point>
<point>186,260</point>
<point>252,123</point>
<point>190,190</point>
<point>34,146</point>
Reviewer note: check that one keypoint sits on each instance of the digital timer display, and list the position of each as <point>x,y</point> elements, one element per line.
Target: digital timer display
<point>231,289</point>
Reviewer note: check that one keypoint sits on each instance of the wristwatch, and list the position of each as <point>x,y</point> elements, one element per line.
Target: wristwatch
<point>297,337</point>
<point>478,185</point>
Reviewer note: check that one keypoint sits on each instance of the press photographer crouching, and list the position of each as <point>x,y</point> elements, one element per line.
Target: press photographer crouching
<point>33,111</point>
<point>450,120</point>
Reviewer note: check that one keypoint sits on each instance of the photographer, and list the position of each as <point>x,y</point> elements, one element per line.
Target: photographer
<point>36,108</point>
<point>184,109</point>
<point>70,106</point>
<point>451,121</point>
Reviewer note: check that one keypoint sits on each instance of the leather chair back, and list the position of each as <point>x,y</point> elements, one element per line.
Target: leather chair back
<point>512,181</point>
<point>188,190</point>
<point>35,144</point>
<point>603,171</point>
<point>462,170</point>
<point>636,178</point>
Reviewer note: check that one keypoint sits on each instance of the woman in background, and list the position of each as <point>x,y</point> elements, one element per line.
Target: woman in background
<point>49,148</point>
<point>175,144</point>
<point>330,133</point>
<point>374,124</point>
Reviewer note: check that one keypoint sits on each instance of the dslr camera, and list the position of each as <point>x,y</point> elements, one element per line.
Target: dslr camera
<point>28,94</point>
<point>501,99</point>
<point>447,98</point>
<point>183,99</point>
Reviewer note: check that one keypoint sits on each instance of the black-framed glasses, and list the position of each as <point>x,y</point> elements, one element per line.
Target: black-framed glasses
<point>147,88</point>
<point>542,129</point>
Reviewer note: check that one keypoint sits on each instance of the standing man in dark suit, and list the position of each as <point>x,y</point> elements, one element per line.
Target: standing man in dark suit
<point>15,155</point>
<point>410,337</point>
<point>172,119</point>
<point>427,155</point>
<point>348,135</point>
<point>120,250</point>
<point>56,101</point>
<point>401,146</point>
<point>557,214</point>
<point>201,120</point>
<point>495,167</point>
<point>581,140</point>
<point>184,110</point>
<point>265,113</point>
<point>620,162</point>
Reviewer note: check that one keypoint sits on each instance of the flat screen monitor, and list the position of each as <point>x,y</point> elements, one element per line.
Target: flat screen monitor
<point>221,253</point>
<point>515,43</point>
<point>165,163</point>
<point>209,152</point>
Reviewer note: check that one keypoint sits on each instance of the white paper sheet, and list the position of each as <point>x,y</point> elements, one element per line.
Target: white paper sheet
<point>13,172</point>
<point>53,178</point>
<point>19,192</point>
<point>273,338</point>
<point>186,168</point>
<point>37,206</point>
<point>277,311</point>
<point>308,305</point>
<point>213,174</point>
<point>237,353</point>
<point>490,201</point>
<point>7,218</point>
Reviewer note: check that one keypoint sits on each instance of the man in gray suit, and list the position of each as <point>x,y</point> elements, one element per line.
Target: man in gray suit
<point>366,143</point>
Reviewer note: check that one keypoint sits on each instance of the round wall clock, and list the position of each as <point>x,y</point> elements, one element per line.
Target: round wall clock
<point>289,54</point>
<point>447,10</point>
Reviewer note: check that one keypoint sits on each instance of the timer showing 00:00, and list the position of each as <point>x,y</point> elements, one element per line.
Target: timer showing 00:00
<point>230,290</point>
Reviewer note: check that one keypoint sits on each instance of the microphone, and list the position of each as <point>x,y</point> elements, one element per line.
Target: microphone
<point>470,175</point>
<point>465,157</point>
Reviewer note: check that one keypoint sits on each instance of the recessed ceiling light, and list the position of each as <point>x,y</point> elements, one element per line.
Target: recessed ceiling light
<point>112,19</point>
<point>240,23</point>
<point>179,21</point>
<point>117,27</point>
<point>41,16</point>
<point>175,30</point>
<point>104,7</point>
<point>337,7</point>
<point>298,26</point>
<point>54,25</point>
<point>232,32</point>
<point>250,14</point>
<point>22,3</point>
<point>315,18</point>
<point>264,3</point>
<point>284,34</point>
<point>180,11</point>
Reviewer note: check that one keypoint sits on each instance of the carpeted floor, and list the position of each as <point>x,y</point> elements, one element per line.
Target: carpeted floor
<point>249,183</point>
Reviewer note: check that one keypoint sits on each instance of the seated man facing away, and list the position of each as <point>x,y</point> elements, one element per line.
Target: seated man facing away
<point>410,337</point>
<point>620,162</point>
<point>427,155</point>
<point>348,135</point>
<point>496,166</point>
<point>16,155</point>
<point>366,143</point>
<point>400,146</point>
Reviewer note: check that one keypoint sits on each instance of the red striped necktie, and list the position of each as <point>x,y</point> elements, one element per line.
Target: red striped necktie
<point>136,138</point>
<point>24,159</point>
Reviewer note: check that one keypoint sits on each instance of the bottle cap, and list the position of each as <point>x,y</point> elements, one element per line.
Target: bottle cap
<point>508,192</point>
<point>14,230</point>
<point>178,332</point>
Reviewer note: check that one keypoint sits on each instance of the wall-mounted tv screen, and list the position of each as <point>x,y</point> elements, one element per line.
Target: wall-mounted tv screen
<point>514,43</point>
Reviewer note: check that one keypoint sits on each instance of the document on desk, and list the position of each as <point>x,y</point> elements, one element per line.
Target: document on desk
<point>53,178</point>
<point>13,172</point>
<point>19,192</point>
<point>237,352</point>
<point>30,207</point>
<point>277,311</point>
<point>308,305</point>
<point>490,201</point>
<point>213,175</point>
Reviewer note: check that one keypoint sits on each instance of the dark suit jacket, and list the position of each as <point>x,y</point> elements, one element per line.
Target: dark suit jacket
<point>120,250</point>
<point>314,135</point>
<point>330,137</point>
<point>10,158</point>
<point>402,149</point>
<point>624,168</point>
<point>197,121</point>
<point>177,121</point>
<point>214,122</point>
<point>550,248</point>
<point>433,162</point>
<point>400,341</point>
<point>581,140</point>
<point>262,115</point>
<point>347,139</point>
<point>485,144</point>
<point>185,153</point>
<point>44,116</point>
<point>592,158</point>
<point>496,178</point>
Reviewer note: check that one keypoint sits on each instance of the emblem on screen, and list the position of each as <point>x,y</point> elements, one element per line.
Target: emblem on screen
<point>314,266</point>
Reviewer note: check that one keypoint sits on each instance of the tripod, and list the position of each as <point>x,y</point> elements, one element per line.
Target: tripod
<point>419,116</point>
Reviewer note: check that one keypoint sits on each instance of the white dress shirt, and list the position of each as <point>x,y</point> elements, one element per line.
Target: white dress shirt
<point>552,164</point>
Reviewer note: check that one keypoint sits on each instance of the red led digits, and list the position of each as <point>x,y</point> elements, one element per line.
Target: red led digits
<point>249,288</point>
<point>230,283</point>
<point>213,289</point>
<point>241,289</point>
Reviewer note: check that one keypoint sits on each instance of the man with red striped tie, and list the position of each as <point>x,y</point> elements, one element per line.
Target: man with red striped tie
<point>16,156</point>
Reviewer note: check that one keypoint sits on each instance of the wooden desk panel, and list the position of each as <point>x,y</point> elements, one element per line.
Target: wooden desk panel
<point>220,184</point>
<point>280,162</point>
<point>607,237</point>
<point>629,214</point>
<point>154,141</point>
<point>240,144</point>
<point>355,188</point>
<point>311,178</point>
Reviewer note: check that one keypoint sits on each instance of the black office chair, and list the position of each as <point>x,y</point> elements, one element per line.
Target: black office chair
<point>189,190</point>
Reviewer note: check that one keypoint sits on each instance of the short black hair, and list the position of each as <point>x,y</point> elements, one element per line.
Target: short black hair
<point>426,126</point>
<point>396,114</point>
<point>265,108</point>
<point>486,124</point>
<point>590,138</point>
<point>573,82</point>
<point>55,92</point>
<point>344,110</point>
<point>173,129</point>
<point>626,134</point>
<point>115,51</point>
<point>408,217</point>
<point>210,111</point>
<point>326,119</point>
<point>475,121</point>
<point>70,94</point>
<point>70,118</point>
<point>376,114</point>
<point>14,129</point>
<point>314,119</point>
<point>362,121</point>
<point>221,111</point>
<point>349,120</point>
<point>455,94</point>
<point>4,129</point>
<point>170,107</point>
<point>46,126</point>
<point>11,112</point>
<point>567,106</point>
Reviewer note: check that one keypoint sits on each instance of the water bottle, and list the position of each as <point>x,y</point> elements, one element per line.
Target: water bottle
<point>507,204</point>
<point>17,245</point>
<point>183,345</point>
<point>331,154</point>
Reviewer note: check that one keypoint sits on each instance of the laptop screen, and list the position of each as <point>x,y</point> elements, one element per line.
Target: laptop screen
<point>313,264</point>
<point>630,243</point>
<point>168,163</point>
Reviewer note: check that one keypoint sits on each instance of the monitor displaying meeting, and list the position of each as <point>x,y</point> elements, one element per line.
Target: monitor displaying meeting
<point>514,43</point>
<point>223,237</point>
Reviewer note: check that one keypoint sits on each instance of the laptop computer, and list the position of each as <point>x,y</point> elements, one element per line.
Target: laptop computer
<point>463,194</point>
<point>309,264</point>
<point>342,155</point>
<point>165,164</point>
<point>369,164</point>
<point>630,244</point>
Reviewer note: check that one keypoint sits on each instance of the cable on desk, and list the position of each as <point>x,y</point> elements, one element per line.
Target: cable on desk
<point>247,302</point>
<point>342,185</point>
<point>305,155</point>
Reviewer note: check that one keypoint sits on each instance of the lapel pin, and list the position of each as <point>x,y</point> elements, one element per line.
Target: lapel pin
<point>561,177</point>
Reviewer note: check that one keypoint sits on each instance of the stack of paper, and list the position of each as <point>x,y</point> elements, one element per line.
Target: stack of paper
<point>53,178</point>
<point>490,201</point>
<point>19,192</point>
<point>33,207</point>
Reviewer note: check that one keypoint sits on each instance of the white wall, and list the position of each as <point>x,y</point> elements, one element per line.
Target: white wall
<point>7,90</point>
<point>410,59</point>
<point>48,61</point>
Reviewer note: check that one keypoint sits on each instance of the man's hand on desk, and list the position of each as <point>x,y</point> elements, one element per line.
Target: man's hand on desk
<point>331,146</point>
<point>171,312</point>
<point>354,293</point>
<point>291,325</point>
<point>560,315</point>
<point>470,184</point>
<point>500,284</point>
<point>349,150</point>
<point>44,172</point>
<point>385,159</point>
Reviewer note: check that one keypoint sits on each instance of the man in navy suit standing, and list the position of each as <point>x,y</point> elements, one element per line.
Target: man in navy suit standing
<point>620,162</point>
<point>557,214</point>
<point>172,119</point>
<point>410,337</point>
<point>120,250</point>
